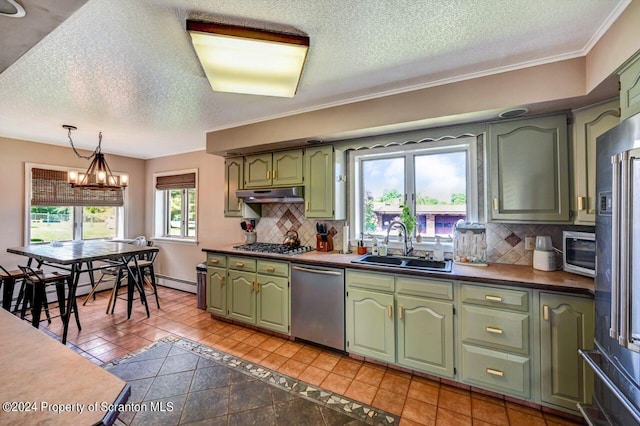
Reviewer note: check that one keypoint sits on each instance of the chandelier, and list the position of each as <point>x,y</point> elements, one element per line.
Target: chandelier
<point>98,175</point>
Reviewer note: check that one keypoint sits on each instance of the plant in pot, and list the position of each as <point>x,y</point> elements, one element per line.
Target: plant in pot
<point>408,219</point>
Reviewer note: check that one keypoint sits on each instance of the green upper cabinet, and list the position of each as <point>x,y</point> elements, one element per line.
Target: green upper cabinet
<point>630,88</point>
<point>566,325</point>
<point>324,189</point>
<point>233,179</point>
<point>283,168</point>
<point>257,170</point>
<point>287,168</point>
<point>528,171</point>
<point>589,123</point>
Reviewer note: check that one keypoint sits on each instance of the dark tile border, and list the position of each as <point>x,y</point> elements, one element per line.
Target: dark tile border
<point>323,397</point>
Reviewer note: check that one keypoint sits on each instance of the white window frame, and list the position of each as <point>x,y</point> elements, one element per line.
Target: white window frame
<point>161,214</point>
<point>466,144</point>
<point>77,210</point>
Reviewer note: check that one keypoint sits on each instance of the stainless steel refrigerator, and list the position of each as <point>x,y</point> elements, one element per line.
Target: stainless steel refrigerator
<point>616,357</point>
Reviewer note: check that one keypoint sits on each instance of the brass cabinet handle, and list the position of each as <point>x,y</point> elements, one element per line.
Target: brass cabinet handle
<point>258,287</point>
<point>222,280</point>
<point>240,264</point>
<point>274,175</point>
<point>214,261</point>
<point>496,205</point>
<point>494,372</point>
<point>493,330</point>
<point>493,298</point>
<point>253,286</point>
<point>271,269</point>
<point>307,206</point>
<point>545,312</point>
<point>268,174</point>
<point>581,203</point>
<point>400,309</point>
<point>390,311</point>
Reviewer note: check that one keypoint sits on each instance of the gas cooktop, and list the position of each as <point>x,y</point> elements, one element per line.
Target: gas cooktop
<point>273,248</point>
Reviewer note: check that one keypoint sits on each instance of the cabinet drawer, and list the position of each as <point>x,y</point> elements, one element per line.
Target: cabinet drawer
<point>272,267</point>
<point>495,297</point>
<point>425,287</point>
<point>374,281</point>
<point>241,263</point>
<point>498,371</point>
<point>216,260</point>
<point>497,329</point>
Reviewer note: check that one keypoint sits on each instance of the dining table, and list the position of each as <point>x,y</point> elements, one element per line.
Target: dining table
<point>46,383</point>
<point>77,257</point>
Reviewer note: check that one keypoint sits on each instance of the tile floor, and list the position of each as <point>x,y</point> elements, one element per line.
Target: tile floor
<point>417,400</point>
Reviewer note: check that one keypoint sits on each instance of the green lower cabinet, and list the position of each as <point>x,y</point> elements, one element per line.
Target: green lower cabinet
<point>498,371</point>
<point>241,299</point>
<point>273,303</point>
<point>370,324</point>
<point>566,325</point>
<point>217,291</point>
<point>425,335</point>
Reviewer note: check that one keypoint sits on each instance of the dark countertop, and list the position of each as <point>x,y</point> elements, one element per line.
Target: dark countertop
<point>496,273</point>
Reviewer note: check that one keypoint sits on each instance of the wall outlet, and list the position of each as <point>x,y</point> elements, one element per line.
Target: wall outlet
<point>529,243</point>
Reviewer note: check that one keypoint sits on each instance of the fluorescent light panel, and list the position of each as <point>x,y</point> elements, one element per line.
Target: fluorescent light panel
<point>245,60</point>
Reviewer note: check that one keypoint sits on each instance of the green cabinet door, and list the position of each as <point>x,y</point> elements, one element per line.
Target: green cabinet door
<point>630,88</point>
<point>318,186</point>
<point>233,180</point>
<point>217,291</point>
<point>566,325</point>
<point>528,171</point>
<point>287,168</point>
<point>425,335</point>
<point>272,294</point>
<point>589,123</point>
<point>370,324</point>
<point>257,170</point>
<point>241,298</point>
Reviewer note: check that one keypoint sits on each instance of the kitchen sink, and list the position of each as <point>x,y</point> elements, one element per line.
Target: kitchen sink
<point>405,262</point>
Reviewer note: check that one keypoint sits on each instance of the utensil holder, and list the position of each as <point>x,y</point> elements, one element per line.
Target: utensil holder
<point>250,237</point>
<point>362,250</point>
<point>324,246</point>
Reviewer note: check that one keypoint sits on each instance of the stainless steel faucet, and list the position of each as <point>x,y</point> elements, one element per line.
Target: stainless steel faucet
<point>406,249</point>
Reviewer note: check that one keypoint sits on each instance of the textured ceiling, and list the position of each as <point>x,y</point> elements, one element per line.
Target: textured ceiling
<point>127,68</point>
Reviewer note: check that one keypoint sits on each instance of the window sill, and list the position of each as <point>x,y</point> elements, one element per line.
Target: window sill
<point>187,241</point>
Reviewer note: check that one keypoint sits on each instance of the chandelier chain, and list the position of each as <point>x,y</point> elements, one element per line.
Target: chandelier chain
<point>93,154</point>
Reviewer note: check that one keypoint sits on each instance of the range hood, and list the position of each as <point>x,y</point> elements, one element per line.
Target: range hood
<point>293,194</point>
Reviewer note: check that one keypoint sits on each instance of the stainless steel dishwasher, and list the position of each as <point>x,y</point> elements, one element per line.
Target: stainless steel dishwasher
<point>317,305</point>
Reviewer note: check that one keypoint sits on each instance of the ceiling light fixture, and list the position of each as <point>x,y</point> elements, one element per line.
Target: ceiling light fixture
<point>98,175</point>
<point>248,60</point>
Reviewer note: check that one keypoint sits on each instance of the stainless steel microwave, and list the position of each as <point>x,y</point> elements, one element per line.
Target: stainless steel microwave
<point>579,252</point>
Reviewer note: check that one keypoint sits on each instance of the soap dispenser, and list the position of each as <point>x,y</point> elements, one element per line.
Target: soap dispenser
<point>438,251</point>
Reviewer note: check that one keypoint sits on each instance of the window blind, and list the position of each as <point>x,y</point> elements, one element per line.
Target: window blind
<point>182,181</point>
<point>50,188</point>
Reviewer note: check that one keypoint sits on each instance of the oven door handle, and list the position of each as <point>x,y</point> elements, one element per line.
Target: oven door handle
<point>315,271</point>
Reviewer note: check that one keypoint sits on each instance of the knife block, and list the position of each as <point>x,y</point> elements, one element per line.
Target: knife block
<point>324,246</point>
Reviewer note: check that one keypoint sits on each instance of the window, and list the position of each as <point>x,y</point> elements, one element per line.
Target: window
<point>435,180</point>
<point>176,208</point>
<point>58,212</point>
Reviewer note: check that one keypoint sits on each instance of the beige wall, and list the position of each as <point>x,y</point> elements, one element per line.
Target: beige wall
<point>178,260</point>
<point>15,153</point>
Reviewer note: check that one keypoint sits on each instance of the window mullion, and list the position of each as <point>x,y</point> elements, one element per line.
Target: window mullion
<point>184,208</point>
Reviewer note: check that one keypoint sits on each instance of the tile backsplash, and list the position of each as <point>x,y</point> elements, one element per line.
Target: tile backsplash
<point>278,218</point>
<point>505,242</point>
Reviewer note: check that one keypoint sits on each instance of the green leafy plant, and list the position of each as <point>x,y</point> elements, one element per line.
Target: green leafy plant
<point>408,219</point>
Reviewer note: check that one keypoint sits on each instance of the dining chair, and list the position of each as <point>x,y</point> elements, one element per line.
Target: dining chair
<point>35,294</point>
<point>8,280</point>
